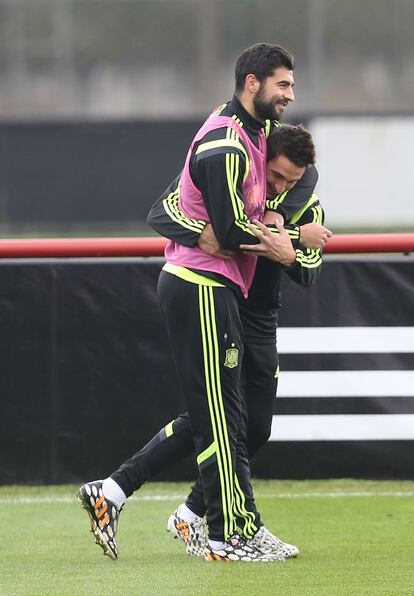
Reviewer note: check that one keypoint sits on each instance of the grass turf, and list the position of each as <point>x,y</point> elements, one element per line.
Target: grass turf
<point>356,537</point>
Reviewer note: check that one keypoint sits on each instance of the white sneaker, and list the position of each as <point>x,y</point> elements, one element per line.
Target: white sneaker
<point>193,534</point>
<point>267,543</point>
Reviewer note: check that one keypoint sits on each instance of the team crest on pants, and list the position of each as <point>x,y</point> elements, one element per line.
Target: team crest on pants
<point>232,358</point>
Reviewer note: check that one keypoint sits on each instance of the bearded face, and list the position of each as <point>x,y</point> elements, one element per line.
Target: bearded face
<point>274,94</point>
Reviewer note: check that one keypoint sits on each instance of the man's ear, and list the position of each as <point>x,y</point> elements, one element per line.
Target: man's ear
<point>252,84</point>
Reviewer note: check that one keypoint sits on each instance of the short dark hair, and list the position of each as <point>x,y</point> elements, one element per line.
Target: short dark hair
<point>261,59</point>
<point>295,142</point>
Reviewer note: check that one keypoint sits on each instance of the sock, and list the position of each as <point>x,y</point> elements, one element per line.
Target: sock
<point>185,513</point>
<point>216,544</point>
<point>113,492</point>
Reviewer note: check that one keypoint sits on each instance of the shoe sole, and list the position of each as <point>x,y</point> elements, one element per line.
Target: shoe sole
<point>283,555</point>
<point>215,557</point>
<point>99,538</point>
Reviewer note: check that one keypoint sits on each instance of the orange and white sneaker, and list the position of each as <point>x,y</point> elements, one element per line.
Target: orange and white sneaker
<point>103,515</point>
<point>193,534</point>
<point>237,549</point>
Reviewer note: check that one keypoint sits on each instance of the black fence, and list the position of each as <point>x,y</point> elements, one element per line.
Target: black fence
<point>87,376</point>
<point>59,177</point>
<point>66,173</point>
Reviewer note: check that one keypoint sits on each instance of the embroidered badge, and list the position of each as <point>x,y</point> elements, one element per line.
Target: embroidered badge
<point>232,358</point>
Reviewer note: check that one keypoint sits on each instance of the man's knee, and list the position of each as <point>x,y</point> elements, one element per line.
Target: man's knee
<point>258,436</point>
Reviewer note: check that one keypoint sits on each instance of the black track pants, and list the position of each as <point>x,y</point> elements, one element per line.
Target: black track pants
<point>205,333</point>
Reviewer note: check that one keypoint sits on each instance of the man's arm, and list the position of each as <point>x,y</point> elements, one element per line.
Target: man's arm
<point>219,174</point>
<point>218,167</point>
<point>166,218</point>
<point>289,204</point>
<point>309,260</point>
<point>303,263</point>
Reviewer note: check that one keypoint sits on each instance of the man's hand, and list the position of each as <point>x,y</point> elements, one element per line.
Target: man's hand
<point>276,247</point>
<point>209,244</point>
<point>314,235</point>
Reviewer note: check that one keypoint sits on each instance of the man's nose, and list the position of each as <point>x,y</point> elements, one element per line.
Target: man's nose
<point>280,186</point>
<point>289,95</point>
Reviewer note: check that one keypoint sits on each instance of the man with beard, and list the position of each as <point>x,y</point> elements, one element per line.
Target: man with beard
<point>223,183</point>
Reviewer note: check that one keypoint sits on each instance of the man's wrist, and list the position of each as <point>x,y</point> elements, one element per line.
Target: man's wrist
<point>290,262</point>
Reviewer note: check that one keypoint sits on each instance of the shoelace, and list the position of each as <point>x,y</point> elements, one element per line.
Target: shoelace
<point>101,511</point>
<point>269,539</point>
<point>199,524</point>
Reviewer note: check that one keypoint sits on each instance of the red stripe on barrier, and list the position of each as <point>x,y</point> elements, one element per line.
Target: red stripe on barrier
<point>153,247</point>
<point>82,247</point>
<point>370,243</point>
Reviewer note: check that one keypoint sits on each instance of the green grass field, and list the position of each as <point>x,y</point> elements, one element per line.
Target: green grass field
<point>356,537</point>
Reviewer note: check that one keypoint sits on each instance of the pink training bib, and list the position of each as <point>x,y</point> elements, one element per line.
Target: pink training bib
<point>240,269</point>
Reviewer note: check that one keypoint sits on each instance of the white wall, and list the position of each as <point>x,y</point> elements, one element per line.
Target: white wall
<point>366,168</point>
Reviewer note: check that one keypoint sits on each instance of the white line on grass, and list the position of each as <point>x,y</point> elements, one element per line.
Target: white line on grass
<point>58,499</point>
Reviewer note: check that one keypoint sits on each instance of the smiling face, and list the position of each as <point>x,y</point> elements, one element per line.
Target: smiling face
<point>281,175</point>
<point>274,94</point>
